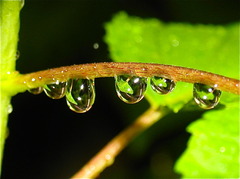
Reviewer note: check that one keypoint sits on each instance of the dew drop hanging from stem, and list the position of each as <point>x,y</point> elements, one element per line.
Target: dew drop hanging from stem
<point>206,96</point>
<point>130,89</point>
<point>80,94</point>
<point>162,85</point>
<point>55,90</point>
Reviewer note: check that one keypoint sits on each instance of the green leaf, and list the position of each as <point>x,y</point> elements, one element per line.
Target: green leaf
<point>204,47</point>
<point>213,150</point>
<point>9,27</point>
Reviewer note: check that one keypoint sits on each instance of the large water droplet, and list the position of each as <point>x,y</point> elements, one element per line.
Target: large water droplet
<point>162,85</point>
<point>80,94</point>
<point>206,96</point>
<point>130,89</point>
<point>37,90</point>
<point>55,90</point>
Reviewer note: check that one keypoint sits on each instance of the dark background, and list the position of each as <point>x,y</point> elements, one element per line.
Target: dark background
<point>46,139</point>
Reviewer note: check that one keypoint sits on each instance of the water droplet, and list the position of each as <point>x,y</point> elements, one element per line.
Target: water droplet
<point>162,85</point>
<point>9,108</point>
<point>55,90</point>
<point>206,96</point>
<point>175,43</point>
<point>95,46</point>
<point>37,90</point>
<point>109,159</point>
<point>17,54</point>
<point>80,94</point>
<point>215,86</point>
<point>22,4</point>
<point>222,149</point>
<point>130,89</point>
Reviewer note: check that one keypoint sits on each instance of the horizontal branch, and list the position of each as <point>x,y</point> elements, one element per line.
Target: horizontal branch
<point>110,69</point>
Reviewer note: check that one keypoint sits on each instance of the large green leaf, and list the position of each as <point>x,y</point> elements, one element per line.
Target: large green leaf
<point>204,47</point>
<point>214,148</point>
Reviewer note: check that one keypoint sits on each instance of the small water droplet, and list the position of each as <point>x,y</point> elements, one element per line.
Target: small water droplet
<point>95,46</point>
<point>130,89</point>
<point>9,108</point>
<point>22,4</point>
<point>37,90</point>
<point>55,90</point>
<point>222,149</point>
<point>175,43</point>
<point>109,159</point>
<point>206,96</point>
<point>17,54</point>
<point>162,85</point>
<point>80,94</point>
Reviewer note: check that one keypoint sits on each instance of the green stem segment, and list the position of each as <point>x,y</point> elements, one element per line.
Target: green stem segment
<point>9,28</point>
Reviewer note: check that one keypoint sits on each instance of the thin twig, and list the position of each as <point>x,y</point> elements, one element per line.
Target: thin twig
<point>110,69</point>
<point>107,155</point>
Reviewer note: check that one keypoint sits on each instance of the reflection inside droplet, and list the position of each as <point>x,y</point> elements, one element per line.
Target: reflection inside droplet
<point>37,90</point>
<point>80,94</point>
<point>206,96</point>
<point>55,90</point>
<point>162,85</point>
<point>130,89</point>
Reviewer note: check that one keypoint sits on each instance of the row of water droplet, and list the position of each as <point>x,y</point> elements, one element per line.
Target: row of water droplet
<point>80,93</point>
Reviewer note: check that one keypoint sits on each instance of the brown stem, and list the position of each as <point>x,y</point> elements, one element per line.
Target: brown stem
<point>107,155</point>
<point>110,69</point>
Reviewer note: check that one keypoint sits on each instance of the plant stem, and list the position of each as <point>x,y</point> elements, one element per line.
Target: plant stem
<point>9,27</point>
<point>107,155</point>
<point>110,69</point>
